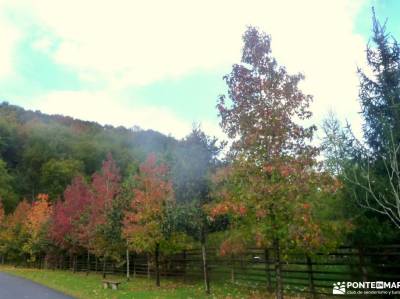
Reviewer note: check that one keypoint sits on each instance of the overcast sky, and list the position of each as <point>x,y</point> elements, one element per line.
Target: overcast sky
<point>159,64</point>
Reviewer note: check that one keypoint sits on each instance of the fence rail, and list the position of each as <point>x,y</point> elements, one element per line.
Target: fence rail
<point>257,268</point>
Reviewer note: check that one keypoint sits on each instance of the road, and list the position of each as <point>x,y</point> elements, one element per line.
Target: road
<point>13,287</point>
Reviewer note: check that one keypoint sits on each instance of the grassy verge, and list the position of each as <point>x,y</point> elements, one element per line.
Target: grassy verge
<point>87,287</point>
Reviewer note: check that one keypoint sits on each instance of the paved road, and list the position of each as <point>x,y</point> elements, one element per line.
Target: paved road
<point>13,287</point>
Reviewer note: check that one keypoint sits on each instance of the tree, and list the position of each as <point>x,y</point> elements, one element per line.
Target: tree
<point>56,175</point>
<point>37,221</point>
<point>274,177</point>
<point>105,188</point>
<point>195,159</point>
<point>69,223</point>
<point>6,190</point>
<point>380,94</point>
<point>15,233</point>
<point>2,214</point>
<point>371,168</point>
<point>145,226</point>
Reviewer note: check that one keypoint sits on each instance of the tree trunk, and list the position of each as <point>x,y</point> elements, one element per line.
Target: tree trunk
<point>88,263</point>
<point>279,285</point>
<point>232,269</point>
<point>148,266</point>
<point>267,270</point>
<point>74,263</point>
<point>134,265</point>
<point>127,264</point>
<point>104,267</point>
<point>205,266</point>
<point>363,269</point>
<point>157,254</point>
<point>184,266</point>
<point>310,277</point>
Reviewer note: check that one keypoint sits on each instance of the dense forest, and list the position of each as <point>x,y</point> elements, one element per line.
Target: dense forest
<point>41,153</point>
<point>69,187</point>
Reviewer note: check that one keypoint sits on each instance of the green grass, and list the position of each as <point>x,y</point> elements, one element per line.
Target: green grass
<point>81,286</point>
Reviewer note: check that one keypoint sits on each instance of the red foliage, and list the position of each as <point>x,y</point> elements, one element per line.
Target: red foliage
<point>68,225</point>
<point>105,186</point>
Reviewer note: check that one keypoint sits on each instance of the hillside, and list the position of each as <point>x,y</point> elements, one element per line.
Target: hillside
<point>40,153</point>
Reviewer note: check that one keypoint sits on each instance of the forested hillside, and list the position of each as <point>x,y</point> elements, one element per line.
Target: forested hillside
<point>41,153</point>
<point>75,188</point>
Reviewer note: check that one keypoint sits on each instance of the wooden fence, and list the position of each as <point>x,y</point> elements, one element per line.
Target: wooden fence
<point>312,275</point>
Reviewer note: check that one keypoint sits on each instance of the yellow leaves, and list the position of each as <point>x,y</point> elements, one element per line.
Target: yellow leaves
<point>38,214</point>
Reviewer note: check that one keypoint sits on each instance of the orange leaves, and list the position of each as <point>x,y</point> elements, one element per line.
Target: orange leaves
<point>38,214</point>
<point>224,208</point>
<point>232,246</point>
<point>142,223</point>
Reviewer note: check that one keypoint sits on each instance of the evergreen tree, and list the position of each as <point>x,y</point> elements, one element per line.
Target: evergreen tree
<point>380,94</point>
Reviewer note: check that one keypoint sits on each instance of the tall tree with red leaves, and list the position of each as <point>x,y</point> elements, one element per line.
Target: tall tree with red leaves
<point>145,222</point>
<point>70,218</point>
<point>104,230</point>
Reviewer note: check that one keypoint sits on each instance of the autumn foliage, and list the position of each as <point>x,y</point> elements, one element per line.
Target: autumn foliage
<point>69,223</point>
<point>143,223</point>
<point>274,175</point>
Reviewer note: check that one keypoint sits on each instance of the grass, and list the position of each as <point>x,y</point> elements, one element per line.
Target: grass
<point>90,287</point>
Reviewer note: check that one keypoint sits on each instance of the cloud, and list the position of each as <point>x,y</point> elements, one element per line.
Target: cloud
<point>9,37</point>
<point>130,43</point>
<point>97,106</point>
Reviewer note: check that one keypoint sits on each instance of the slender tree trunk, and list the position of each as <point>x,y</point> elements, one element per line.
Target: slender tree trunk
<point>232,269</point>
<point>184,266</point>
<point>70,262</point>
<point>148,266</point>
<point>104,267</point>
<point>363,269</point>
<point>205,266</point>
<point>88,263</point>
<point>134,265</point>
<point>157,255</point>
<point>310,277</point>
<point>267,270</point>
<point>127,264</point>
<point>279,285</point>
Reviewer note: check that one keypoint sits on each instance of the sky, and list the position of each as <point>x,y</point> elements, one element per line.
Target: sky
<point>160,64</point>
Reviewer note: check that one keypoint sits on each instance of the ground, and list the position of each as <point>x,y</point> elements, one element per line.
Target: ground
<point>79,285</point>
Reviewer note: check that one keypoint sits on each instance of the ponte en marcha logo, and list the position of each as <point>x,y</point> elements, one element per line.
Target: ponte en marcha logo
<point>366,288</point>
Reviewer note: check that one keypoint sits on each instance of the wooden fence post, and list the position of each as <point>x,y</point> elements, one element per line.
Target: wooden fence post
<point>363,269</point>
<point>278,270</point>
<point>267,270</point>
<point>310,277</point>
